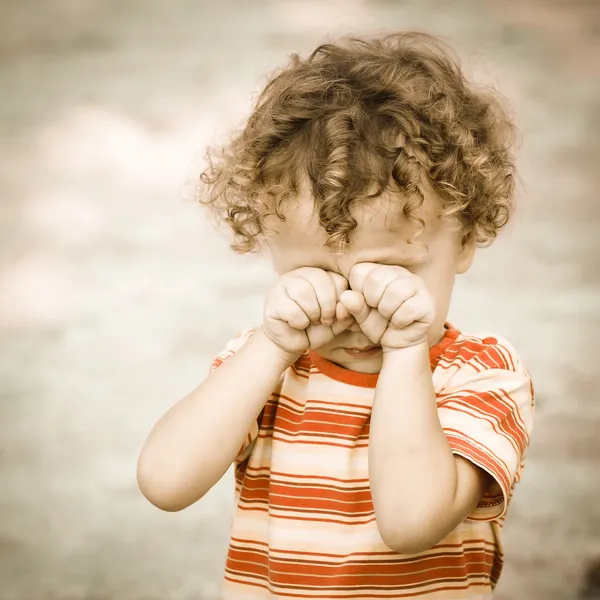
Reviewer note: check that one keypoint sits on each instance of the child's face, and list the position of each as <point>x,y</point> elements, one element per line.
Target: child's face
<point>436,256</point>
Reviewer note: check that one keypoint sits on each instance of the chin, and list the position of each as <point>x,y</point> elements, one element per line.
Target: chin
<point>360,365</point>
<point>370,369</point>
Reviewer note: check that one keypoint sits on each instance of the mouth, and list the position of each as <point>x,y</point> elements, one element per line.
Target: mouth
<point>364,352</point>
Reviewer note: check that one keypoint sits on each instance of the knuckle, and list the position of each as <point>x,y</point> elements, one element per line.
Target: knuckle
<point>324,291</point>
<point>374,275</point>
<point>299,288</point>
<point>337,278</point>
<point>386,310</point>
<point>326,294</point>
<point>358,273</point>
<point>298,318</point>
<point>402,288</point>
<point>306,271</point>
<point>339,281</point>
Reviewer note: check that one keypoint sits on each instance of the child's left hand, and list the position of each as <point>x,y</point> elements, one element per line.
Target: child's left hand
<point>391,305</point>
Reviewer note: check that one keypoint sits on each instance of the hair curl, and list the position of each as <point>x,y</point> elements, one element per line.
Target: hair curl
<point>355,119</point>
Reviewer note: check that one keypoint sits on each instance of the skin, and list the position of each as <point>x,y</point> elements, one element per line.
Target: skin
<point>397,298</point>
<point>429,264</point>
<point>382,291</point>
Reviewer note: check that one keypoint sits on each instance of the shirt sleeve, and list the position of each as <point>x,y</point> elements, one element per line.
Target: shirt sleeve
<point>230,349</point>
<point>486,409</point>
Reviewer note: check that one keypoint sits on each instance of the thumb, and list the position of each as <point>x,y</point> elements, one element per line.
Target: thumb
<point>341,312</point>
<point>340,282</point>
<point>343,319</point>
<point>356,305</point>
<point>341,325</point>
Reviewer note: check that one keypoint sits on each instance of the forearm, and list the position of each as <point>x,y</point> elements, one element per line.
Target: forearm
<point>196,441</point>
<point>412,470</point>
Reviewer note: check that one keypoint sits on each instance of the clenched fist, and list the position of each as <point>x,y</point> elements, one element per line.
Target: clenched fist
<point>391,305</point>
<point>301,310</point>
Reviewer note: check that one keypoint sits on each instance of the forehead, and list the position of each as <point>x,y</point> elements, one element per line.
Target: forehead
<point>381,235</point>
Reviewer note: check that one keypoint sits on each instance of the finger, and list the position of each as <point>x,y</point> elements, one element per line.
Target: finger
<point>302,292</point>
<point>341,312</point>
<point>318,335</point>
<point>409,335</point>
<point>358,273</point>
<point>341,283</point>
<point>343,319</point>
<point>397,292</point>
<point>376,282</point>
<point>285,309</point>
<point>325,290</point>
<point>417,309</point>
<point>374,325</point>
<point>342,324</point>
<point>355,304</point>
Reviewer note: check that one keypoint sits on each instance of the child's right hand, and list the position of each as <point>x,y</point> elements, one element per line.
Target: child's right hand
<point>303,310</point>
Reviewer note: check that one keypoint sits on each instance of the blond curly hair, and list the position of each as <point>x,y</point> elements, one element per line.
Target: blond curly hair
<point>358,118</point>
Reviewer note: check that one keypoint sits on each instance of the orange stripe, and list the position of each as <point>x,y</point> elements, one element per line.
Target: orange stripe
<point>263,481</point>
<point>314,442</point>
<point>318,511</point>
<point>504,422</point>
<point>319,477</point>
<point>349,584</point>
<point>398,557</point>
<point>318,421</point>
<point>361,580</point>
<point>349,521</point>
<point>395,566</point>
<point>495,424</point>
<point>364,409</point>
<point>489,461</point>
<point>267,432</point>
<point>306,491</point>
<point>327,414</point>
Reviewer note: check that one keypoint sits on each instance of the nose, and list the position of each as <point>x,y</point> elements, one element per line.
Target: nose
<point>342,264</point>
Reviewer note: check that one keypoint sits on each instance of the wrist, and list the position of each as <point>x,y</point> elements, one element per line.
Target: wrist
<point>267,346</point>
<point>411,367</point>
<point>409,354</point>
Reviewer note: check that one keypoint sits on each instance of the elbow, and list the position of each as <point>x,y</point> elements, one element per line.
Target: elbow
<point>159,491</point>
<point>407,544</point>
<point>411,537</point>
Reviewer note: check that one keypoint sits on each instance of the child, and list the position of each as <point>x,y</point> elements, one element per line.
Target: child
<point>376,447</point>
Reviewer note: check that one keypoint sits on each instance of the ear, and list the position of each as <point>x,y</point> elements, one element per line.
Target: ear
<point>466,253</point>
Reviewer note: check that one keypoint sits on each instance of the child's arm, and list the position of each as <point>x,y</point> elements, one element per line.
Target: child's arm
<point>432,459</point>
<point>196,441</point>
<point>430,463</point>
<point>421,490</point>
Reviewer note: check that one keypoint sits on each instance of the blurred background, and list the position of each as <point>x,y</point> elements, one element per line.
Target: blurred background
<point>115,292</point>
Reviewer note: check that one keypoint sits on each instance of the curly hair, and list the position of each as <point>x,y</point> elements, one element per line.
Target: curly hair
<point>358,118</point>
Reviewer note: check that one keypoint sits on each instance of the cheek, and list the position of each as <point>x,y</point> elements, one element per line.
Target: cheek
<point>439,280</point>
<point>278,260</point>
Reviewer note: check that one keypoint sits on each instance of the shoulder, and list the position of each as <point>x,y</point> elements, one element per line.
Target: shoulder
<point>486,407</point>
<point>482,357</point>
<point>481,351</point>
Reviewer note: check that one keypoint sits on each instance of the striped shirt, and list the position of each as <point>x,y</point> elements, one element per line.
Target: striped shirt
<point>304,524</point>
